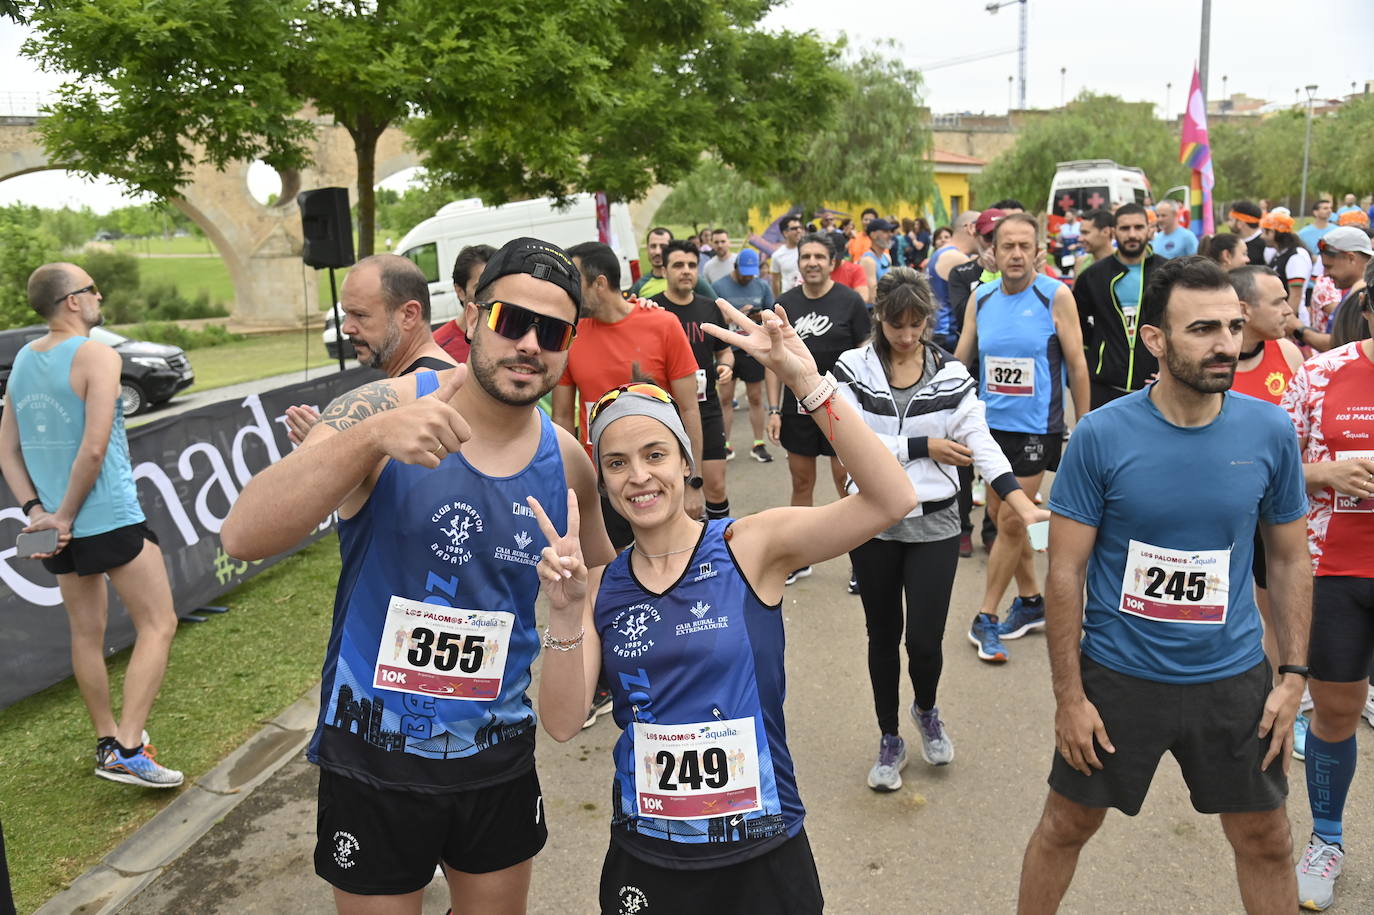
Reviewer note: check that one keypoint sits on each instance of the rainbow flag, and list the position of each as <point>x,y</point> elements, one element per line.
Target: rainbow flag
<point>1195,151</point>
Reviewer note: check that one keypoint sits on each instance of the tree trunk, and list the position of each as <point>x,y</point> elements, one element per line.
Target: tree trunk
<point>365,134</point>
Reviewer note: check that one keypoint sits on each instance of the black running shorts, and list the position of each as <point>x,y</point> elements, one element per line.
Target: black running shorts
<point>1210,728</point>
<point>747,368</point>
<point>1342,628</point>
<point>376,842</point>
<point>779,882</point>
<point>800,435</point>
<point>99,553</point>
<point>712,432</point>
<point>1030,454</point>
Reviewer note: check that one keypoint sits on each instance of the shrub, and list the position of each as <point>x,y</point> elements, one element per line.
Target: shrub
<point>184,337</point>
<point>114,271</point>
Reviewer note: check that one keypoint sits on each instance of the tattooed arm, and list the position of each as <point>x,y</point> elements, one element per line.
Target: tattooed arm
<point>334,468</point>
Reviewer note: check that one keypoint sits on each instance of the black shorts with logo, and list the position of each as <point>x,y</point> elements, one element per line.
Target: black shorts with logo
<point>99,553</point>
<point>800,435</point>
<point>1210,728</point>
<point>376,842</point>
<point>779,882</point>
<point>1030,454</point>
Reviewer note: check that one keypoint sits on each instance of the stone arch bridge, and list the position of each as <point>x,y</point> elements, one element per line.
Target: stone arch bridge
<point>260,244</point>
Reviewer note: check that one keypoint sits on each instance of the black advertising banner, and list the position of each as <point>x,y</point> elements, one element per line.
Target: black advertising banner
<point>189,470</point>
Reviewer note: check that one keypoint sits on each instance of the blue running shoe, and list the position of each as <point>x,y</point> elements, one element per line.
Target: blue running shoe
<point>983,633</point>
<point>1301,725</point>
<point>1021,619</point>
<point>139,769</point>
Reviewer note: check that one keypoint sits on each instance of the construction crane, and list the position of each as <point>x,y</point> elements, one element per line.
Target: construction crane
<point>993,7</point>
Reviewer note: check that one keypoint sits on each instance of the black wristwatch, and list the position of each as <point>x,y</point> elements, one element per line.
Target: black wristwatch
<point>1299,669</point>
<point>1299,334</point>
<point>696,482</point>
<point>28,506</point>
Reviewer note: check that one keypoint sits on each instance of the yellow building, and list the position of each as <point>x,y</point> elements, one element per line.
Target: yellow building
<point>951,172</point>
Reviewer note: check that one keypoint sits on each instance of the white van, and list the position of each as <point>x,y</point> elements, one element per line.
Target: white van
<point>434,243</point>
<point>1092,184</point>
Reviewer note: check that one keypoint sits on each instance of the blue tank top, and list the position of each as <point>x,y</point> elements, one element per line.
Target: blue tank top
<point>706,652</point>
<point>1022,366</point>
<point>52,420</point>
<point>451,537</point>
<point>944,315</point>
<point>882,264</point>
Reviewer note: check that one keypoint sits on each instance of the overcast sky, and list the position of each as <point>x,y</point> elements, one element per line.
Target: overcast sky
<point>1265,48</point>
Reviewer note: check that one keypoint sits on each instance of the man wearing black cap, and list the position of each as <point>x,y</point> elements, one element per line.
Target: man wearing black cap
<point>424,725</point>
<point>876,261</point>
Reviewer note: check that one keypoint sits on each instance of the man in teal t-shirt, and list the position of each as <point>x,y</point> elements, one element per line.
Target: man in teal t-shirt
<point>67,462</point>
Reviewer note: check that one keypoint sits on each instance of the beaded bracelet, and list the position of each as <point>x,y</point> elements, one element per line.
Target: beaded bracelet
<point>563,644</point>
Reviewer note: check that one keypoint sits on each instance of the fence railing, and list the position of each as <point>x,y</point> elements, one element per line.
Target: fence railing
<point>24,104</point>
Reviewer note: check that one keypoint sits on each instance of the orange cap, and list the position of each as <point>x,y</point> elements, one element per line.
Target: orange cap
<point>1279,222</point>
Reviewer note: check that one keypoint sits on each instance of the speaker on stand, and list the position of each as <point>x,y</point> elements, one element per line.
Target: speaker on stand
<point>328,230</point>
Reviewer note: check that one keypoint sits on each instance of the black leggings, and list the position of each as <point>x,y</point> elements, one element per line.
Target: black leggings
<point>925,571</point>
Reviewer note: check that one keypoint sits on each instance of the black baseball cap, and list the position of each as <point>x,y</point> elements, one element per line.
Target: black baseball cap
<point>540,259</point>
<point>881,225</point>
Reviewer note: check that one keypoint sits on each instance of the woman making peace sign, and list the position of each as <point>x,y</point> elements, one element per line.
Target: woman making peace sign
<point>688,626</point>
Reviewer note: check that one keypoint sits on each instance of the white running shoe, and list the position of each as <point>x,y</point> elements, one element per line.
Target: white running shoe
<point>886,774</point>
<point>1369,707</point>
<point>936,747</point>
<point>1317,873</point>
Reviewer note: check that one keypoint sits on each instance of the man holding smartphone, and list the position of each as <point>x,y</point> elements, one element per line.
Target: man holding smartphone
<point>65,457</point>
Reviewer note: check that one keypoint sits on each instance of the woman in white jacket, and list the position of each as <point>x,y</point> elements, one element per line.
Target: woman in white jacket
<point>924,406</point>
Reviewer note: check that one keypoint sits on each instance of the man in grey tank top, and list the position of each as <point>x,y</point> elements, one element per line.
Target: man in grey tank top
<point>65,458</point>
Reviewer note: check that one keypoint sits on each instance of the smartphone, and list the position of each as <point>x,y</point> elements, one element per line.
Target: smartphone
<point>38,542</point>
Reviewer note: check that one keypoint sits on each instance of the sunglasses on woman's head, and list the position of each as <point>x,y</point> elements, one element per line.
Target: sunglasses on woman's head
<point>642,388</point>
<point>514,321</point>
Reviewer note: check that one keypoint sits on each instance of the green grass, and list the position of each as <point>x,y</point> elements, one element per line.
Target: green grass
<point>190,275</point>
<point>189,245</point>
<point>256,357</point>
<point>226,677</point>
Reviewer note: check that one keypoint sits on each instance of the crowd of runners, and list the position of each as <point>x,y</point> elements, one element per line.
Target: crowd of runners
<point>1209,528</point>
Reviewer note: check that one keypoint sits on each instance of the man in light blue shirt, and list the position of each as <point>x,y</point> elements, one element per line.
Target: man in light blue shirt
<point>1172,239</point>
<point>1313,232</point>
<point>65,458</point>
<point>743,288</point>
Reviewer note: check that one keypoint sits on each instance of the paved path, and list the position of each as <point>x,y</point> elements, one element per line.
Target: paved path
<point>951,839</point>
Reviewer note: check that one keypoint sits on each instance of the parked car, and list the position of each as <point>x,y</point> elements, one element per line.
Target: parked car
<point>435,242</point>
<point>151,374</point>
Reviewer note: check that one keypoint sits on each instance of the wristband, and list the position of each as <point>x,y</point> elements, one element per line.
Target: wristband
<point>823,392</point>
<point>775,411</point>
<point>1299,669</point>
<point>28,506</point>
<point>563,644</point>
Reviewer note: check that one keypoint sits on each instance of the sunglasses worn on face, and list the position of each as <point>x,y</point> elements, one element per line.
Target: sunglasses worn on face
<point>93,289</point>
<point>514,321</point>
<point>642,388</point>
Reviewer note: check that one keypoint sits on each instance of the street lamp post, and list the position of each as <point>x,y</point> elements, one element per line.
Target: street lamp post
<point>1306,152</point>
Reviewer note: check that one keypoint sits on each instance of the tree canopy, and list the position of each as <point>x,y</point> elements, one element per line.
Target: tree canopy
<point>1090,127</point>
<point>516,99</point>
<point>875,148</point>
<point>1251,157</point>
